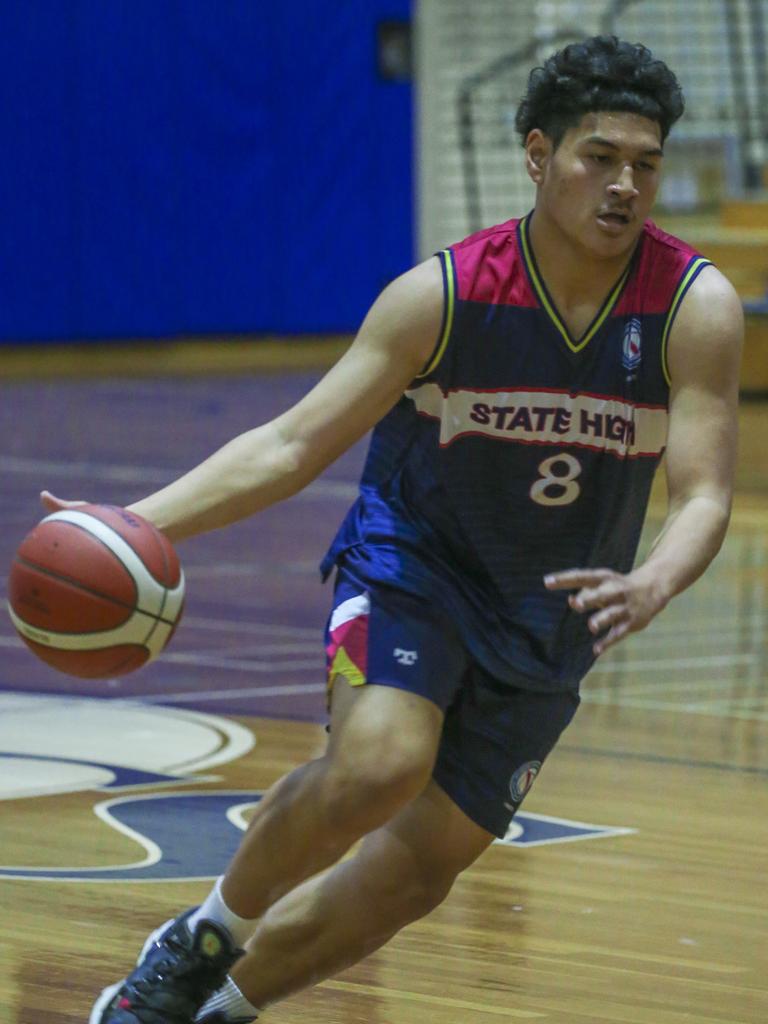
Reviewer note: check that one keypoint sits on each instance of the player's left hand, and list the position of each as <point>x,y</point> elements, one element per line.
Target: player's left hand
<point>620,603</point>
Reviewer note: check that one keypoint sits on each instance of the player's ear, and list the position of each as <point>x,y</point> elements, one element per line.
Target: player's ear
<point>538,149</point>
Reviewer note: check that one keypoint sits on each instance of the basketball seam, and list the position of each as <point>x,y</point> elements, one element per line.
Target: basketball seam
<point>159,542</point>
<point>156,535</point>
<point>97,593</point>
<point>114,669</point>
<point>113,553</point>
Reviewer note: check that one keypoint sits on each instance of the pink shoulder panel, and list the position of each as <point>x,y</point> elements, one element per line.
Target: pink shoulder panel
<point>662,261</point>
<point>490,268</point>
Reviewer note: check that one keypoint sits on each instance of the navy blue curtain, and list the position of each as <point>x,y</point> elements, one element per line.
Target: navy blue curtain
<point>187,167</point>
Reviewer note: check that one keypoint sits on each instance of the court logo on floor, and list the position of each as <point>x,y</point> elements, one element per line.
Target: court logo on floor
<point>529,829</point>
<point>190,836</point>
<point>68,745</point>
<point>54,745</point>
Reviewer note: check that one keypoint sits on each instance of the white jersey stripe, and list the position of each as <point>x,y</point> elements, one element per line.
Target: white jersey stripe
<point>545,417</point>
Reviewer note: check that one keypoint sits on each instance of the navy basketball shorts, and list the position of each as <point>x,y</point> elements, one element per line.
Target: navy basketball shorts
<point>496,733</point>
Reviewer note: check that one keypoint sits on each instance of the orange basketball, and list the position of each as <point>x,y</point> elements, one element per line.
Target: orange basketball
<point>95,591</point>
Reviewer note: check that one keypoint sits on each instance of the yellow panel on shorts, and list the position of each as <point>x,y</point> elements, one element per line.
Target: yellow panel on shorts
<point>344,666</point>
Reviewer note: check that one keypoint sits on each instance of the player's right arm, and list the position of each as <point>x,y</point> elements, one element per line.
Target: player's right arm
<point>276,460</point>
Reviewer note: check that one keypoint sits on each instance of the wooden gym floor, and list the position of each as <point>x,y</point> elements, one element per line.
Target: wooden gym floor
<point>633,891</point>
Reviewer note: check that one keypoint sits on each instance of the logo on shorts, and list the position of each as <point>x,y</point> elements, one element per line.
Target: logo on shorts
<point>523,779</point>
<point>405,657</point>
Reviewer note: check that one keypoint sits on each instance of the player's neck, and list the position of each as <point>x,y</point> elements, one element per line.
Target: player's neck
<point>572,273</point>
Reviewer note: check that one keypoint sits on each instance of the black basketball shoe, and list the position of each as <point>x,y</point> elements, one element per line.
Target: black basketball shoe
<point>176,973</point>
<point>219,1018</point>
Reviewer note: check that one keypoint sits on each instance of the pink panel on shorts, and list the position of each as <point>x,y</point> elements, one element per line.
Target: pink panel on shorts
<point>347,648</point>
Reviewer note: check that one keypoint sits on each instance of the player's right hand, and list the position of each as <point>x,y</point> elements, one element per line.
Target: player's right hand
<point>53,504</point>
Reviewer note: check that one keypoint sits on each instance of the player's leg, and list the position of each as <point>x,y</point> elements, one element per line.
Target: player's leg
<point>380,755</point>
<point>383,744</point>
<point>399,873</point>
<point>394,665</point>
<point>495,737</point>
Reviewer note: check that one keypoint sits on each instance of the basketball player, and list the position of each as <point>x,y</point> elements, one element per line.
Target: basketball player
<point>523,386</point>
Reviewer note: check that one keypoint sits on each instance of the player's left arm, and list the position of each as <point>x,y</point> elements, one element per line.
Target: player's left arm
<point>704,357</point>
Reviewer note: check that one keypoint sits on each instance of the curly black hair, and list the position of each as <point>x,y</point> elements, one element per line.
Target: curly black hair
<point>601,73</point>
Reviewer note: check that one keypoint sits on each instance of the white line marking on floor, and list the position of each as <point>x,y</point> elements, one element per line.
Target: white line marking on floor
<point>239,664</point>
<point>662,664</point>
<point>660,705</point>
<point>335,489</point>
<point>257,692</point>
<point>233,626</point>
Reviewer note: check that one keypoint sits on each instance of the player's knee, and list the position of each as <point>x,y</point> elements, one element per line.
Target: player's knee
<point>364,788</point>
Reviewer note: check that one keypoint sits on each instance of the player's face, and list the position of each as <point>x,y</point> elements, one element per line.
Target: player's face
<point>599,185</point>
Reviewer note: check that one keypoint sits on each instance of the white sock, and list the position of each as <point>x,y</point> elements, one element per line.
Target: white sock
<point>215,909</point>
<point>230,1001</point>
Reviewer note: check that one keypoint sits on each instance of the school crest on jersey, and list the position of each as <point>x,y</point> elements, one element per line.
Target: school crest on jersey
<point>632,345</point>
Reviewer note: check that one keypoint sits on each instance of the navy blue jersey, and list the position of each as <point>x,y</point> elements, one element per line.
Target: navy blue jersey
<point>521,451</point>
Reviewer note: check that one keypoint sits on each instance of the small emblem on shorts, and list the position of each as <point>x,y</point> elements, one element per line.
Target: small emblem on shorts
<point>523,779</point>
<point>405,657</point>
<point>632,352</point>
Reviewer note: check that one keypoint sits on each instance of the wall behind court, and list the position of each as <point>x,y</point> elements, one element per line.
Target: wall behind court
<point>184,167</point>
<point>470,159</point>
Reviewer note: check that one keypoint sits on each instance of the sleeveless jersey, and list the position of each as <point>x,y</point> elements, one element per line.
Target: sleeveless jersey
<point>521,451</point>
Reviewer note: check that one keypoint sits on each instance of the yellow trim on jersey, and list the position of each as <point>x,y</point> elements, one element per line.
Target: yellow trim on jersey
<point>682,288</point>
<point>549,307</point>
<point>450,302</point>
